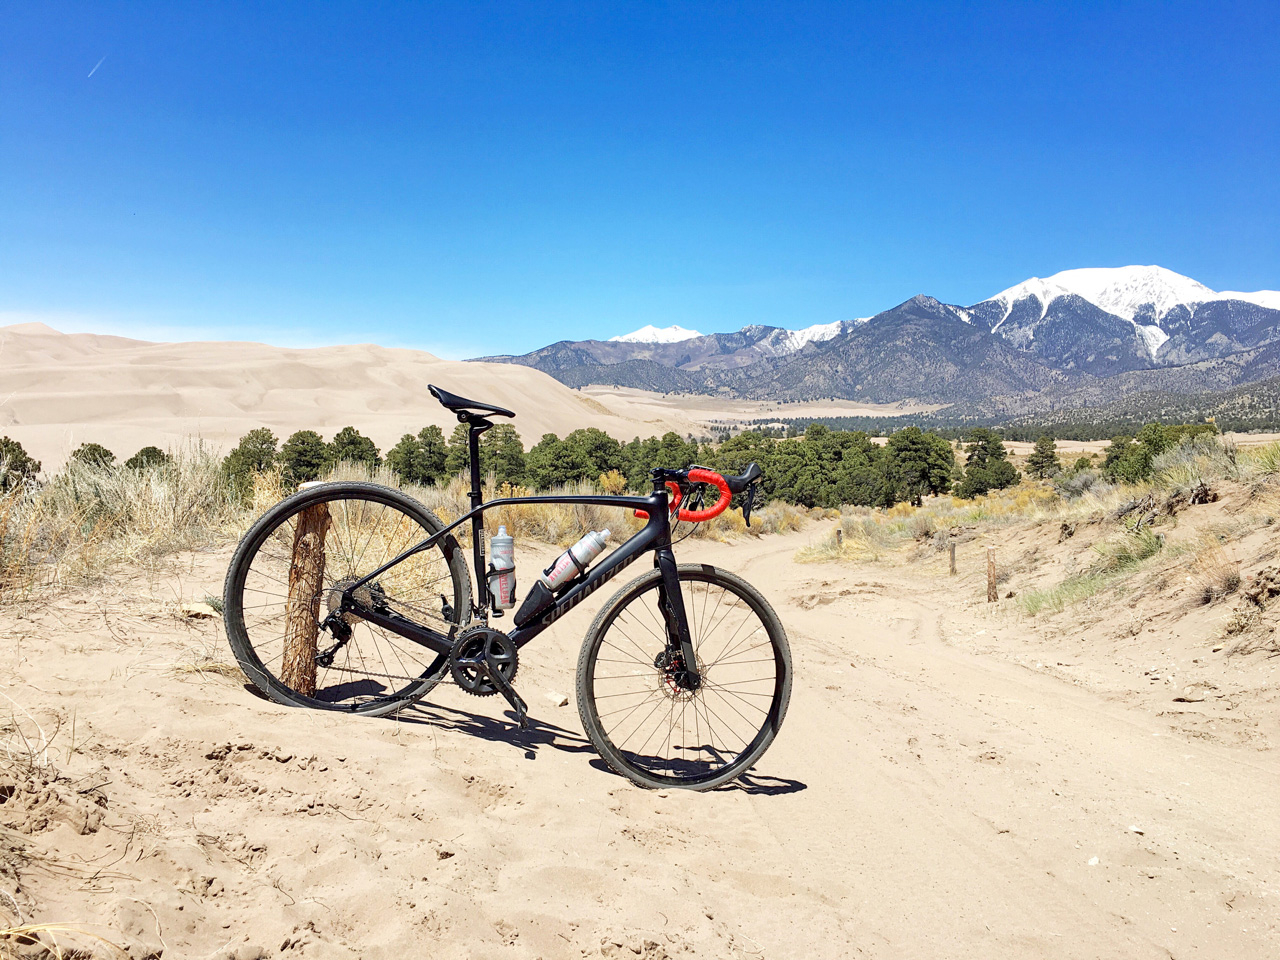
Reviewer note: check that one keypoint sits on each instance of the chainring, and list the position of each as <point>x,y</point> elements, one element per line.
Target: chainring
<point>474,644</point>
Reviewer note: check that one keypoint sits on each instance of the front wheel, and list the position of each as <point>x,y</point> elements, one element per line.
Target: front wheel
<point>643,717</point>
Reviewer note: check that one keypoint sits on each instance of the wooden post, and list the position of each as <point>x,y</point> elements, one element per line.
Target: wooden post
<point>953,558</point>
<point>839,538</point>
<point>302,614</point>
<point>992,593</point>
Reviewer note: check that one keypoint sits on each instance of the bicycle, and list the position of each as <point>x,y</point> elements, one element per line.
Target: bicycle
<point>352,596</point>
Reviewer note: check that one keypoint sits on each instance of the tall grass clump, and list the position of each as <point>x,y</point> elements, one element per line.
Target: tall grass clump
<point>1264,460</point>
<point>1213,574</point>
<point>1195,460</point>
<point>88,517</point>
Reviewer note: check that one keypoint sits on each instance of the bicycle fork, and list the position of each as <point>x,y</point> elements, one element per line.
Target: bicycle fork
<point>679,642</point>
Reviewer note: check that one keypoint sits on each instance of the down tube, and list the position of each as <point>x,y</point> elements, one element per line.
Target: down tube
<point>597,577</point>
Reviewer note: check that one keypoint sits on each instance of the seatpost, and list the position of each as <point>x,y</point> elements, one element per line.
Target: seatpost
<point>475,428</point>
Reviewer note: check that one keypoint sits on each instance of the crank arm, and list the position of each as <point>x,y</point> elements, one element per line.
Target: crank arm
<point>504,687</point>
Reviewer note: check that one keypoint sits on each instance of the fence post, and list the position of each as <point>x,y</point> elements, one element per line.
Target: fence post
<point>953,558</point>
<point>302,611</point>
<point>839,538</point>
<point>992,593</point>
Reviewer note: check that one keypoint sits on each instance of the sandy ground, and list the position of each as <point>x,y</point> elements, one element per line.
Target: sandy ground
<point>953,780</point>
<point>719,411</point>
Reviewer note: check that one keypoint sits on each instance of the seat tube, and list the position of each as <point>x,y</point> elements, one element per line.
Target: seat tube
<point>477,522</point>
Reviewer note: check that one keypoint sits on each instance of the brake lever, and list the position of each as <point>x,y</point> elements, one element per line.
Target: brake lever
<point>747,502</point>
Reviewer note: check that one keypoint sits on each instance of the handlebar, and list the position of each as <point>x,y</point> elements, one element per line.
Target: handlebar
<point>699,475</point>
<point>728,486</point>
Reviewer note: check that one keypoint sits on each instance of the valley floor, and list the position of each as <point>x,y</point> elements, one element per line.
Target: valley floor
<point>954,779</point>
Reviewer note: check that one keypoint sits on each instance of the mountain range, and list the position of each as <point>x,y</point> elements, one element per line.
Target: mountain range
<point>1080,336</point>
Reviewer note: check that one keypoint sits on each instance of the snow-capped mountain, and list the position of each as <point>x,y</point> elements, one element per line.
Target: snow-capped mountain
<point>792,340</point>
<point>1158,303</point>
<point>652,334</point>
<point>1099,329</point>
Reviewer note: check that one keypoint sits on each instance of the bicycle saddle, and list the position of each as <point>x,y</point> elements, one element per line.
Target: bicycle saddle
<point>466,410</point>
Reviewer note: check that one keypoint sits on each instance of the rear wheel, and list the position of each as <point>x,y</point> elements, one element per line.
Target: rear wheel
<point>642,716</point>
<point>288,575</point>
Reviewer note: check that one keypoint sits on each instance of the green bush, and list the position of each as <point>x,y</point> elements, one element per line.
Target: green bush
<point>146,458</point>
<point>16,468</point>
<point>94,454</point>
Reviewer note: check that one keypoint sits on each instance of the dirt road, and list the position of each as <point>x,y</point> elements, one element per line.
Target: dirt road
<point>928,797</point>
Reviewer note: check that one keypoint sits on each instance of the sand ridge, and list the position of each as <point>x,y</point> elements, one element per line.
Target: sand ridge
<point>60,390</point>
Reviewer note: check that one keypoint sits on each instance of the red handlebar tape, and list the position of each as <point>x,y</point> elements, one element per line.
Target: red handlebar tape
<point>717,508</point>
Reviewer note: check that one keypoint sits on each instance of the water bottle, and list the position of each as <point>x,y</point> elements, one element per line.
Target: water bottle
<point>575,560</point>
<point>502,570</point>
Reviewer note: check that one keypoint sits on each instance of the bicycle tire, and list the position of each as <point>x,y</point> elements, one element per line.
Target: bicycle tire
<point>700,766</point>
<point>352,504</point>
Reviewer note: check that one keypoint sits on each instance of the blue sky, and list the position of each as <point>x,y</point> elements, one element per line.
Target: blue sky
<point>487,178</point>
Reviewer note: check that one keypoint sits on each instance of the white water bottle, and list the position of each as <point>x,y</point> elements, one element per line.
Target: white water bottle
<point>575,560</point>
<point>502,575</point>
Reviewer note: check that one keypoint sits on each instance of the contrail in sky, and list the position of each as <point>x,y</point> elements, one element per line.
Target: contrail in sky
<point>95,68</point>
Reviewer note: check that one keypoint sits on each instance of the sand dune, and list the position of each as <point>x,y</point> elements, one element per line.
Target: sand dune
<point>59,390</point>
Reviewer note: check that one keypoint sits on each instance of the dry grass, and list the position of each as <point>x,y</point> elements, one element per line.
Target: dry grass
<point>1214,575</point>
<point>867,533</point>
<point>87,519</point>
<point>55,941</point>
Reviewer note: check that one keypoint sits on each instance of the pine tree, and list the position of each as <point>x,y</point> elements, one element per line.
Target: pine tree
<point>349,445</point>
<point>987,465</point>
<point>304,456</point>
<point>255,453</point>
<point>1043,461</point>
<point>94,454</point>
<point>458,453</point>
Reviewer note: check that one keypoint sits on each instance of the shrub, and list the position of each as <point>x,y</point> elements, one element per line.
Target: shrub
<point>146,458</point>
<point>94,454</point>
<point>16,468</point>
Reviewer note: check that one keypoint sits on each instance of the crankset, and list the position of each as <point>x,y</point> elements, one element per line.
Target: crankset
<point>484,662</point>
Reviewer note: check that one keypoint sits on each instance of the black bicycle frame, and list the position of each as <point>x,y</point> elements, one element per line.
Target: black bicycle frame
<point>655,536</point>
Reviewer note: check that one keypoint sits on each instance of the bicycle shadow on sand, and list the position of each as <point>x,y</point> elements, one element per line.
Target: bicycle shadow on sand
<point>540,733</point>
<point>543,734</point>
<point>751,783</point>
